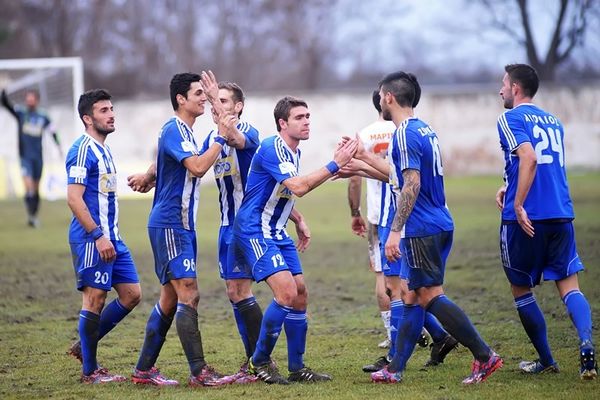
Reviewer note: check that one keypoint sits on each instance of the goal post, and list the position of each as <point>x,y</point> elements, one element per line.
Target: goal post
<point>59,82</point>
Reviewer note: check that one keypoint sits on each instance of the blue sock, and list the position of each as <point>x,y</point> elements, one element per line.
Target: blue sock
<point>156,332</point>
<point>409,330</point>
<point>296,326</point>
<point>111,316</point>
<point>396,307</point>
<point>580,313</point>
<point>269,332</point>
<point>534,323</point>
<point>88,334</point>
<point>456,322</point>
<point>434,328</point>
<point>241,325</point>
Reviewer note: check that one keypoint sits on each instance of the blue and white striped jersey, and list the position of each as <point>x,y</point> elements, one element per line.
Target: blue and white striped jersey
<point>267,204</point>
<point>415,146</point>
<point>231,170</point>
<point>90,164</point>
<point>387,205</point>
<point>548,197</point>
<point>177,191</point>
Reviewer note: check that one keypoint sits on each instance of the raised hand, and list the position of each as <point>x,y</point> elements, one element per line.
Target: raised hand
<point>210,86</point>
<point>227,125</point>
<point>344,152</point>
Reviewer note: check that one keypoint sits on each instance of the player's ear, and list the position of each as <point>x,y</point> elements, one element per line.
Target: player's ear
<point>238,107</point>
<point>180,99</point>
<point>87,120</point>
<point>282,123</point>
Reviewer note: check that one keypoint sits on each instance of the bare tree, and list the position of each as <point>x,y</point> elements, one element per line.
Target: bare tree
<point>568,32</point>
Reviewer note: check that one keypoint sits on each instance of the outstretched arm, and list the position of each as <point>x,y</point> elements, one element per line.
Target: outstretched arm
<point>300,185</point>
<point>8,105</point>
<point>143,182</point>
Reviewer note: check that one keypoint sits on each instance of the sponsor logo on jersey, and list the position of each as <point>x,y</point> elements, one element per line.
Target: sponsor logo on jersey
<point>226,166</point>
<point>33,127</point>
<point>284,193</point>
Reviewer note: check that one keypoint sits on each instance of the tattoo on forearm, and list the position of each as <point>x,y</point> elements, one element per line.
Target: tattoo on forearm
<point>407,198</point>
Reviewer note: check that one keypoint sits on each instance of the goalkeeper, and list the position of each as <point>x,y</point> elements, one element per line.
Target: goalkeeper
<point>32,123</point>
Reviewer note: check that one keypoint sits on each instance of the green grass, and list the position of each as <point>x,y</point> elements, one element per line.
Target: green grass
<point>39,306</point>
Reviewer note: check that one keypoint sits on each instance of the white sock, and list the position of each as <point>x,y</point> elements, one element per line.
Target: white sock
<point>385,317</point>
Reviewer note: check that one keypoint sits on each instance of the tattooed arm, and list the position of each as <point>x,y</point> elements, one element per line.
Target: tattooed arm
<point>406,203</point>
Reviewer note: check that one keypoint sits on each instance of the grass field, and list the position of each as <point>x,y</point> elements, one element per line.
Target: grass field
<point>39,306</point>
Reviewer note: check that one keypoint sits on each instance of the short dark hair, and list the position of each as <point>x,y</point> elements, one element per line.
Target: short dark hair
<point>525,76</point>
<point>403,86</point>
<point>283,107</point>
<point>376,100</point>
<point>180,84</point>
<point>238,93</point>
<point>87,100</point>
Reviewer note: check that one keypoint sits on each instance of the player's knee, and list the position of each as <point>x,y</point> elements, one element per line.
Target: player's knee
<point>286,297</point>
<point>132,298</point>
<point>238,290</point>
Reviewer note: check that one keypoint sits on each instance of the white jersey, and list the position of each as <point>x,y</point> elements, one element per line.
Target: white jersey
<point>376,138</point>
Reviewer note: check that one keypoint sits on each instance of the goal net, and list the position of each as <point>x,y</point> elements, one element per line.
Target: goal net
<point>59,82</point>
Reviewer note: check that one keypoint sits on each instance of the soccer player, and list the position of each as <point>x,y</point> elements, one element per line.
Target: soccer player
<point>422,233</point>
<point>231,172</point>
<point>262,245</point>
<point>100,257</point>
<point>32,123</point>
<point>171,228</point>
<point>375,137</point>
<point>537,235</point>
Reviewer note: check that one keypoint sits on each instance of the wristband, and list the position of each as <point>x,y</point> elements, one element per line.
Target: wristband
<point>221,140</point>
<point>355,212</point>
<point>332,167</point>
<point>97,233</point>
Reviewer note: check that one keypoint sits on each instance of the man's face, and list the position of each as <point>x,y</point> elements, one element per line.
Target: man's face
<point>229,106</point>
<point>297,125</point>
<point>103,117</point>
<point>194,104</point>
<point>31,100</point>
<point>506,92</point>
<point>385,109</point>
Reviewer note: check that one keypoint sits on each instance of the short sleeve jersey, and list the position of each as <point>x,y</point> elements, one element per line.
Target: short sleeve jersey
<point>415,146</point>
<point>376,138</point>
<point>90,164</point>
<point>32,124</point>
<point>268,203</point>
<point>548,197</point>
<point>177,190</point>
<point>231,170</point>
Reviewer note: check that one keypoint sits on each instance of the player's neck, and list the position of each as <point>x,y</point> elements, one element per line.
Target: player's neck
<point>290,141</point>
<point>185,117</point>
<point>401,114</point>
<point>96,136</point>
<point>522,100</point>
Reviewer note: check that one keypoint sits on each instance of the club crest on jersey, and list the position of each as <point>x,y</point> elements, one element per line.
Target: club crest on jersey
<point>287,167</point>
<point>108,183</point>
<point>225,167</point>
<point>284,193</point>
<point>188,146</point>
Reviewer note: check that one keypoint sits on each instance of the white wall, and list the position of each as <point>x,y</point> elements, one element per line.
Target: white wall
<point>464,118</point>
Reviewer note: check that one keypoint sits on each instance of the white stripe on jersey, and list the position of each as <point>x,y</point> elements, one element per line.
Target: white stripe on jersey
<point>402,146</point>
<point>113,168</point>
<point>102,198</point>
<point>508,134</point>
<point>186,195</point>
<point>268,211</point>
<point>280,225</point>
<point>184,131</point>
<point>82,155</point>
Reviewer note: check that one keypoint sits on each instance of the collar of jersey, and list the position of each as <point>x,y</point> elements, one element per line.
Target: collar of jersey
<point>286,145</point>
<point>183,122</point>
<point>94,140</point>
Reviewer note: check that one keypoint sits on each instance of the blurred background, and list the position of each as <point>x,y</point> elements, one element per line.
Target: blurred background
<point>330,52</point>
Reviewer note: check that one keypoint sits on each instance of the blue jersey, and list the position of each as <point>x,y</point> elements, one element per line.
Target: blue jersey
<point>267,204</point>
<point>387,206</point>
<point>415,146</point>
<point>90,164</point>
<point>177,190</point>
<point>32,124</point>
<point>231,171</point>
<point>548,197</point>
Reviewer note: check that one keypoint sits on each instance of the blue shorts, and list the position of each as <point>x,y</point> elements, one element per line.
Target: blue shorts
<point>228,270</point>
<point>32,167</point>
<point>551,252</point>
<point>91,271</point>
<point>174,253</point>
<point>389,268</point>
<point>264,257</point>
<point>424,259</point>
